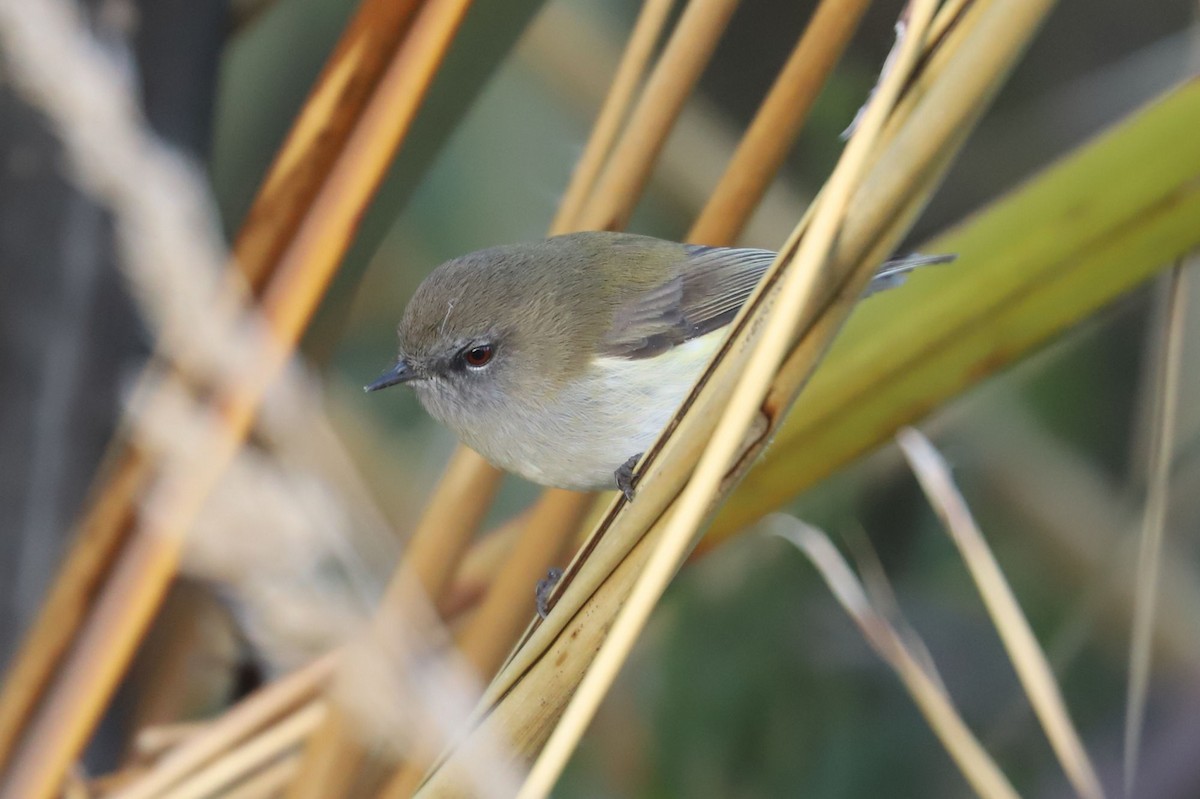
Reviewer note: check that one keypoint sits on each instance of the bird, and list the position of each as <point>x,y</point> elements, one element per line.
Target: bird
<point>562,360</point>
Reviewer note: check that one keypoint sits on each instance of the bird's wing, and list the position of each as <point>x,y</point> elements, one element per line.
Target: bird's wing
<point>708,290</point>
<point>705,294</point>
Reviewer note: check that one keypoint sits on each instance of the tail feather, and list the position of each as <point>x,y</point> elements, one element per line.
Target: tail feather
<point>894,272</point>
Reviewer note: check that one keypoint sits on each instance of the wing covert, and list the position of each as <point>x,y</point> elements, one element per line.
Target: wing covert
<point>709,287</point>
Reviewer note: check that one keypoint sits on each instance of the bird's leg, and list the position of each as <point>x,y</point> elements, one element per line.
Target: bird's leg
<point>624,475</point>
<point>543,590</point>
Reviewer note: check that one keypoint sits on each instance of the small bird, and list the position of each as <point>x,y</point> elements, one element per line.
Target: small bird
<point>562,360</point>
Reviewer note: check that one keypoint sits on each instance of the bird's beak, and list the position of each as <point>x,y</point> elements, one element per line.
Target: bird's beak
<point>400,373</point>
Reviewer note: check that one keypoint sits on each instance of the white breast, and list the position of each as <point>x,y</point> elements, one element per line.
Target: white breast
<point>617,410</point>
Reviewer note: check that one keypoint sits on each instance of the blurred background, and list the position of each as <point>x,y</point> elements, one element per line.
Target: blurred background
<point>750,680</point>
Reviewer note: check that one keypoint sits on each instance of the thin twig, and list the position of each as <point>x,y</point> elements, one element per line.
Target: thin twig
<point>1149,561</point>
<point>1023,650</point>
<point>922,683</point>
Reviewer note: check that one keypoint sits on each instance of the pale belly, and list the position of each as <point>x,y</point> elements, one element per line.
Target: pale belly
<point>580,438</point>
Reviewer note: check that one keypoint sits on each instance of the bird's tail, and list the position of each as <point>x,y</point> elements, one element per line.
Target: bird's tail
<point>894,272</point>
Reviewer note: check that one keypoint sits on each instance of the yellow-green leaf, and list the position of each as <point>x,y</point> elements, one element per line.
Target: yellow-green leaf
<point>1071,240</point>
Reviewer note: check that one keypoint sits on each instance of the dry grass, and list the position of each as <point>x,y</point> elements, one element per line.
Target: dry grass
<point>239,356</point>
<point>385,713</point>
<point>1023,650</point>
<point>1150,551</point>
<point>907,656</point>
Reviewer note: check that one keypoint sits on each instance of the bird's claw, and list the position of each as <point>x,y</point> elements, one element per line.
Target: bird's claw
<point>543,590</point>
<point>625,476</point>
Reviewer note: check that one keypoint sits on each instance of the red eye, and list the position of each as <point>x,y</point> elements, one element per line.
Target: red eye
<point>478,356</point>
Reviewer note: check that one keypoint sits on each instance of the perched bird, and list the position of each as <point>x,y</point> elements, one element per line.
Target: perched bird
<point>562,360</point>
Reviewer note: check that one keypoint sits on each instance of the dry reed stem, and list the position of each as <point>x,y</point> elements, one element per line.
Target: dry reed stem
<point>491,633</point>
<point>922,683</point>
<point>479,567</point>
<point>911,148</point>
<point>249,756</point>
<point>1080,522</point>
<point>101,536</point>
<point>150,743</point>
<point>305,268</point>
<point>267,783</point>
<point>303,161</point>
<point>948,16</point>
<point>647,30</point>
<point>319,133</point>
<point>255,712</point>
<point>335,758</point>
<point>798,286</point>
<point>952,18</point>
<point>502,615</point>
<point>687,51</point>
<point>1150,549</point>
<point>331,758</point>
<point>549,663</point>
<point>334,755</point>
<point>779,119</point>
<point>455,510</point>
<point>1026,654</point>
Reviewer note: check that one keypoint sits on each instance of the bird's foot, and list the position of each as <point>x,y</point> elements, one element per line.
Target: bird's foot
<point>543,590</point>
<point>625,476</point>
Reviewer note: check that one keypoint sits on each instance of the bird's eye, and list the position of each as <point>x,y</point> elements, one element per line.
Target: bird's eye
<point>478,356</point>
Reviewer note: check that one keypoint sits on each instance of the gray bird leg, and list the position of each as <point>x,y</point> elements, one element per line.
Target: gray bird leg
<point>543,590</point>
<point>625,476</point>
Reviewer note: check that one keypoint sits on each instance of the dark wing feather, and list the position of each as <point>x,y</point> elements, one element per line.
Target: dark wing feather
<point>709,288</point>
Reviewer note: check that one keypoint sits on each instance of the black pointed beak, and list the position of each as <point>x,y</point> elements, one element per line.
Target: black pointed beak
<point>400,373</point>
